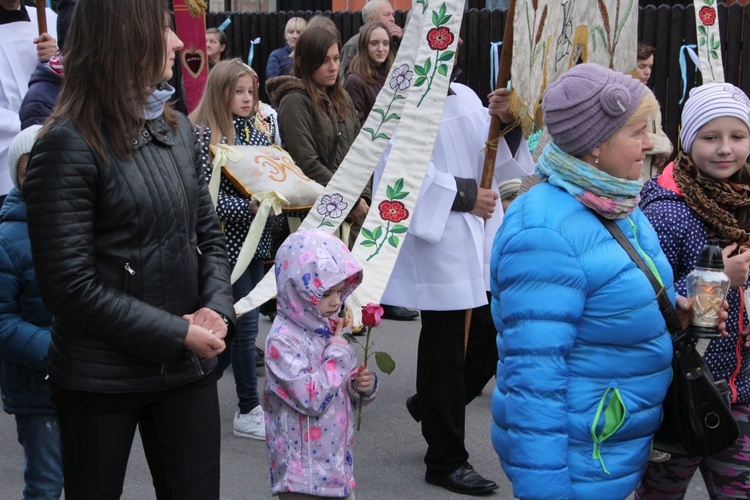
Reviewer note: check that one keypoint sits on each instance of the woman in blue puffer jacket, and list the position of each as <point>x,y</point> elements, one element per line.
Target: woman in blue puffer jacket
<point>584,352</point>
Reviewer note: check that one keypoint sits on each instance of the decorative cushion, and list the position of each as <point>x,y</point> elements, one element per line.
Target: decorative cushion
<point>269,168</point>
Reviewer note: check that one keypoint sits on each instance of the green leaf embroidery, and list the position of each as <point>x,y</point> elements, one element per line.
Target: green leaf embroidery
<point>420,81</point>
<point>382,135</point>
<point>368,234</point>
<point>443,69</point>
<point>392,116</point>
<point>447,55</point>
<point>399,229</point>
<point>377,233</point>
<point>368,243</point>
<point>393,241</point>
<point>419,70</point>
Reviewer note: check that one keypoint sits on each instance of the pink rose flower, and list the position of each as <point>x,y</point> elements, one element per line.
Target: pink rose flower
<point>371,314</point>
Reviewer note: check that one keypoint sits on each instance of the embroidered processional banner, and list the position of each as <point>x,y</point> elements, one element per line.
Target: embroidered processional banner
<point>709,41</point>
<point>412,99</point>
<point>190,25</point>
<point>551,36</point>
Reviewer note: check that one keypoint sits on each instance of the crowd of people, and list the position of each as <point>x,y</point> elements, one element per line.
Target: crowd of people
<point>117,258</point>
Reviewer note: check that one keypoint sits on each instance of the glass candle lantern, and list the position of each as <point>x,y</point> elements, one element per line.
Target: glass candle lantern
<point>707,285</point>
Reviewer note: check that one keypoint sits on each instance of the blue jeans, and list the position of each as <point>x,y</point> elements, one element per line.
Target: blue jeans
<point>42,469</point>
<point>241,350</point>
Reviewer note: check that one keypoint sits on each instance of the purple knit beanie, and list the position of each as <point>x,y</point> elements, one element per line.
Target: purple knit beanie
<point>587,104</point>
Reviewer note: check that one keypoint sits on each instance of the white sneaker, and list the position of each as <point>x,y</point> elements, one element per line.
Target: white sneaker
<point>250,425</point>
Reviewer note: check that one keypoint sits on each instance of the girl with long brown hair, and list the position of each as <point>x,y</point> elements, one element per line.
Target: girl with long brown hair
<point>130,261</point>
<point>369,69</point>
<point>317,119</point>
<point>227,115</point>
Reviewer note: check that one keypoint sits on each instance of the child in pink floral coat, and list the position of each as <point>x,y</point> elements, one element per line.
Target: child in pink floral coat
<point>313,382</point>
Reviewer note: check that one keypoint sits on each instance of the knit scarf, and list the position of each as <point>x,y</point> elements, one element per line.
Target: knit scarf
<point>157,100</point>
<point>610,197</point>
<point>715,202</point>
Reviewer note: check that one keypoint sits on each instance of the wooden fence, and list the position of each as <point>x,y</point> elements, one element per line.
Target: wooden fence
<point>666,27</point>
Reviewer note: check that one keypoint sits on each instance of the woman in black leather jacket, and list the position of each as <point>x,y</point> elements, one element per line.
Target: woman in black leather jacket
<point>130,261</point>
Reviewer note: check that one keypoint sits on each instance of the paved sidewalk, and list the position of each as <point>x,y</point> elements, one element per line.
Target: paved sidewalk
<point>388,451</point>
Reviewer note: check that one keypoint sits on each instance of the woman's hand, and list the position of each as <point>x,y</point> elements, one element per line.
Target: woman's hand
<point>736,267</point>
<point>363,379</point>
<point>209,320</point>
<point>203,342</point>
<point>46,46</point>
<point>359,212</point>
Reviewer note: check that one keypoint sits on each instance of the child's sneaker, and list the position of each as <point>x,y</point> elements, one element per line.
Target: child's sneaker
<point>250,425</point>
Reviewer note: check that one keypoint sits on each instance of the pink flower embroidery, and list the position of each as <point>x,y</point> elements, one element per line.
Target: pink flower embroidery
<point>283,393</point>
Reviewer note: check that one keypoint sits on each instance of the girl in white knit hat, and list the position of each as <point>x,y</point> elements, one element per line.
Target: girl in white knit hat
<point>705,194</point>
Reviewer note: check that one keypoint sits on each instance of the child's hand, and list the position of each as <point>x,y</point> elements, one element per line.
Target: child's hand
<point>363,379</point>
<point>737,266</point>
<point>341,323</point>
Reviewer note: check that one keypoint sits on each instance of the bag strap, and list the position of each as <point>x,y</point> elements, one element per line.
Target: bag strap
<point>665,305</point>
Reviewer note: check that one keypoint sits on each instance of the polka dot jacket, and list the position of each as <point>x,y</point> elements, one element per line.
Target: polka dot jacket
<point>232,207</point>
<point>682,235</point>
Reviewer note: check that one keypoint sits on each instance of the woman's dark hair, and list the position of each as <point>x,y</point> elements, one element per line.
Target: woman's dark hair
<point>222,41</point>
<point>309,55</point>
<point>645,51</point>
<point>361,64</point>
<point>115,56</point>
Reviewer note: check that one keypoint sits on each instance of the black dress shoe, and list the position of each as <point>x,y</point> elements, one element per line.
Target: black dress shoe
<point>463,480</point>
<point>259,355</point>
<point>399,313</point>
<point>413,410</point>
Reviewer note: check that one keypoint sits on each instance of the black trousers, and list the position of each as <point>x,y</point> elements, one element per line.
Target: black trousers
<point>447,382</point>
<point>180,430</point>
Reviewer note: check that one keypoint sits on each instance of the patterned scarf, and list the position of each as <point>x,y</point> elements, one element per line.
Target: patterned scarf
<point>157,100</point>
<point>610,197</point>
<point>715,202</point>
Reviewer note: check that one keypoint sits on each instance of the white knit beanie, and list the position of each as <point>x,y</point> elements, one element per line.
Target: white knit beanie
<point>19,146</point>
<point>710,101</point>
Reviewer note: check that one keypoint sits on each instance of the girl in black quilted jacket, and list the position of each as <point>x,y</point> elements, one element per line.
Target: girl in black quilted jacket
<point>130,259</point>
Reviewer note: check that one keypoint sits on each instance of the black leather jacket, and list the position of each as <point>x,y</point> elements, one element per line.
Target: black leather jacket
<point>122,249</point>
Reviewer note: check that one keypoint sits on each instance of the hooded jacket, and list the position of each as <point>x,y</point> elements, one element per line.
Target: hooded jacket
<point>682,235</point>
<point>24,322</point>
<point>584,352</point>
<point>44,88</point>
<point>310,401</point>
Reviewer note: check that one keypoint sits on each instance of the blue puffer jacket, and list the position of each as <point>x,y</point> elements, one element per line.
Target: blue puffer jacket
<point>24,322</point>
<point>584,353</point>
<point>682,235</point>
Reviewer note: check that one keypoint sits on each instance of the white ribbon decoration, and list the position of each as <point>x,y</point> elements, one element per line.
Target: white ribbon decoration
<point>222,153</point>
<point>270,202</point>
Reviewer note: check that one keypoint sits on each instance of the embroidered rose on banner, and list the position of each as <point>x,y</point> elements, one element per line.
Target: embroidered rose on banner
<point>438,38</point>
<point>707,16</point>
<point>400,81</point>
<point>391,211</point>
<point>331,206</point>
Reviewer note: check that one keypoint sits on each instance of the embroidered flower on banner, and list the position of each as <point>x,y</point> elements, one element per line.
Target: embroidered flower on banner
<point>401,77</point>
<point>391,211</point>
<point>707,15</point>
<point>400,81</point>
<point>439,38</point>
<point>331,206</point>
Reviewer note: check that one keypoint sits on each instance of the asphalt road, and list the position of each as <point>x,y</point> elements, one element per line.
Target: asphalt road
<point>388,451</point>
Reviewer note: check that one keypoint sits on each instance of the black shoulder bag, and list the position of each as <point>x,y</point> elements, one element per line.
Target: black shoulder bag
<point>697,419</point>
